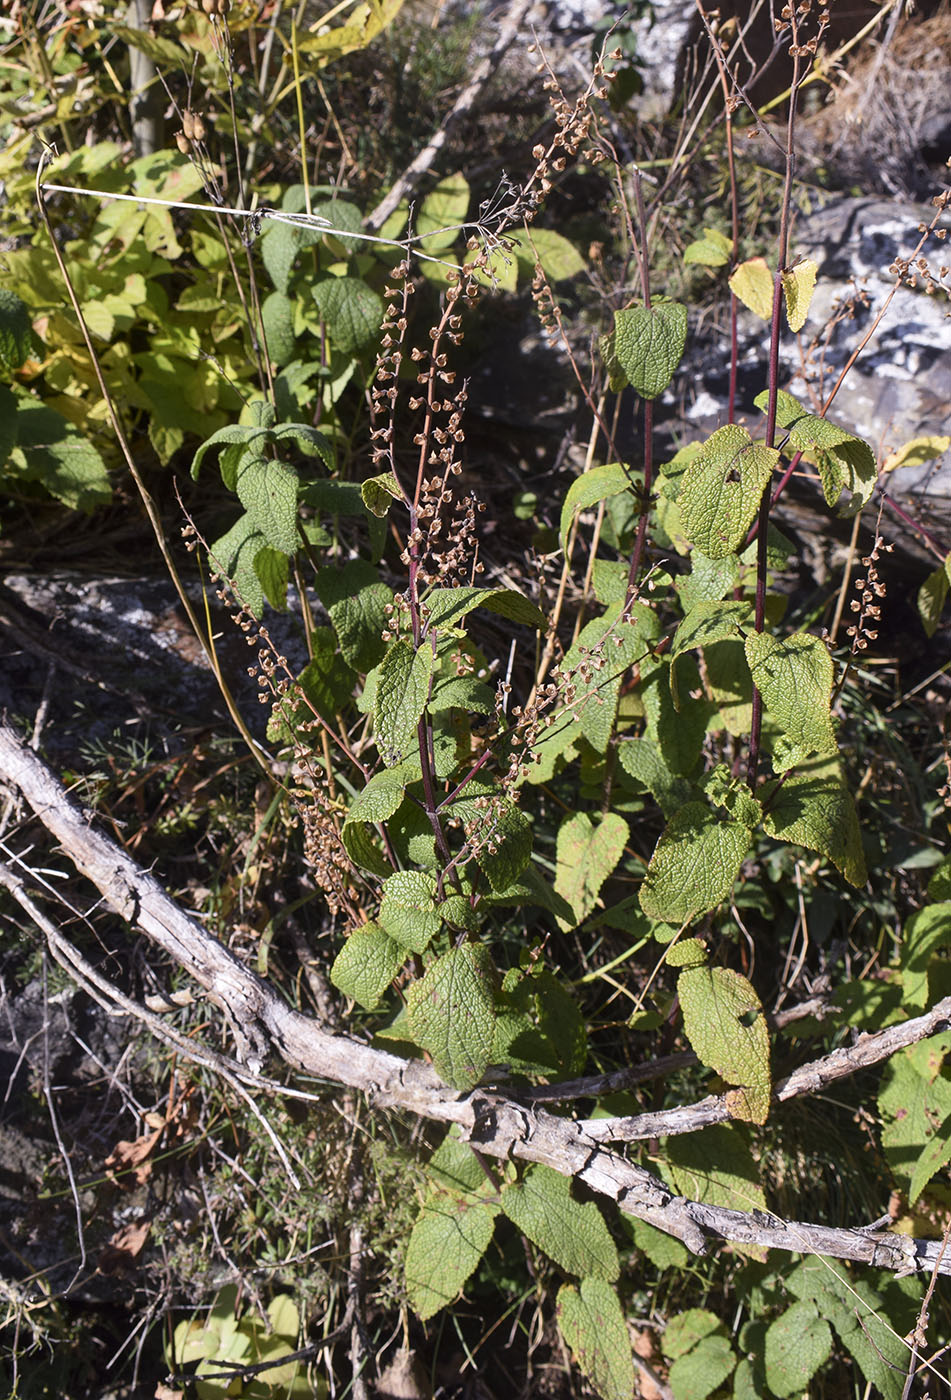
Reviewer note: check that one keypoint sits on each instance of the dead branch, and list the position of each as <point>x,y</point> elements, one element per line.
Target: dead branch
<point>417,168</point>
<point>495,1124</point>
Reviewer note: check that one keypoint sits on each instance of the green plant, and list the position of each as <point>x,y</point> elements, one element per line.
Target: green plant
<point>660,786</point>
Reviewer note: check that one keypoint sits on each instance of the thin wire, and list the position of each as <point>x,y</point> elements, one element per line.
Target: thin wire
<point>277,216</point>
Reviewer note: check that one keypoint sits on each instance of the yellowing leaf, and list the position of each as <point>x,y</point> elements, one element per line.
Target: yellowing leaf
<point>725,1025</point>
<point>365,23</point>
<point>798,286</point>
<point>587,853</point>
<point>752,283</point>
<point>916,452</point>
<point>721,490</point>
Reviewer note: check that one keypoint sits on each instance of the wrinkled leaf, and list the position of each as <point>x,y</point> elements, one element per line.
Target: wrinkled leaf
<point>592,1323</point>
<point>452,1013</point>
<point>694,865</point>
<point>367,964</point>
<point>648,345</point>
<point>587,853</point>
<point>725,1025</point>
<point>794,675</point>
<point>573,1234</point>
<point>721,490</point>
<point>449,1238</point>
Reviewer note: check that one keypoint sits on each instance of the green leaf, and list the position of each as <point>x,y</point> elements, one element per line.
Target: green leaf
<point>445,607</point>
<point>717,1168</point>
<point>164,53</point>
<point>449,1238</point>
<point>664,1251</point>
<point>845,462</point>
<point>932,596</point>
<point>712,250</point>
<point>694,865</point>
<point>268,491</point>
<point>555,1038</point>
<point>367,964</point>
<point>592,1323</point>
<point>408,911</point>
<point>721,490</point>
<point>232,556</point>
<point>725,1025</point>
<point>503,843</point>
<point>597,663</point>
<point>402,690</point>
<point>648,345</point>
<point>915,1104</point>
<point>701,1371</point>
<point>273,571</point>
<point>854,1309</point>
<point>8,422</point>
<point>363,850</point>
<point>688,1329</point>
<point>731,685</point>
<point>243,435</point>
<point>356,601</point>
<point>16,331</point>
<point>455,1167</point>
<point>574,1235</point>
<point>797,1344</point>
<point>733,795</point>
<point>708,581</point>
<point>277,314</point>
<point>443,208</point>
<point>643,761</point>
<point>794,675</point>
<point>588,490</point>
<point>352,311</point>
<point>559,258</point>
<point>51,451</point>
<point>704,624</point>
<point>814,808</point>
<point>452,1013</point>
<point>923,933</point>
<point>383,793</point>
<point>587,853</point>
<point>346,220</point>
<point>379,493</point>
<point>280,245</point>
<point>678,735</point>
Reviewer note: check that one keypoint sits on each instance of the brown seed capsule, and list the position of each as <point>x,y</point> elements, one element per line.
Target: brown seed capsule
<point>188,125</point>
<point>183,143</point>
<point>199,127</point>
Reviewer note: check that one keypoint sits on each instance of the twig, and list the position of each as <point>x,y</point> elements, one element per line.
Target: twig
<point>417,168</point>
<point>808,1079</point>
<point>494,1124</point>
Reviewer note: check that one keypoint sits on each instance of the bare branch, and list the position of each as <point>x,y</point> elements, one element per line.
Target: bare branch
<point>464,103</point>
<point>492,1122</point>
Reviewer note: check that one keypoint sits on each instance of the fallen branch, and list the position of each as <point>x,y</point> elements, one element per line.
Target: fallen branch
<point>417,168</point>
<point>499,1126</point>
